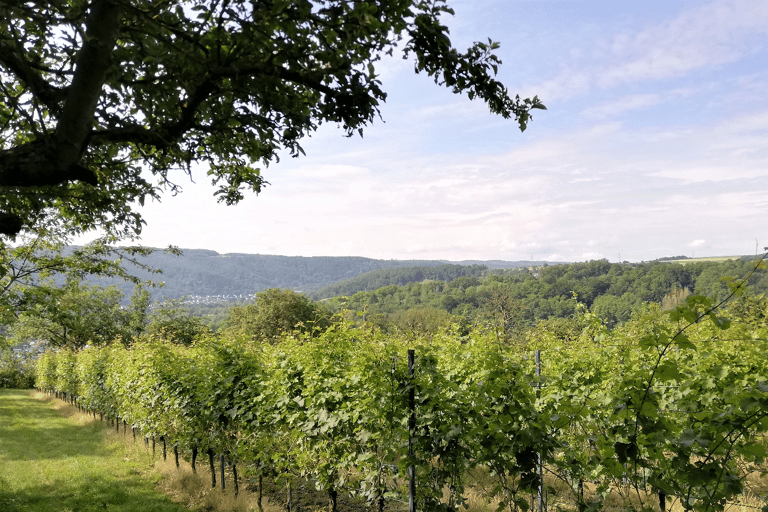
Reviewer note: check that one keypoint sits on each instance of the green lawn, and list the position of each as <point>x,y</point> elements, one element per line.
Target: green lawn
<point>52,462</point>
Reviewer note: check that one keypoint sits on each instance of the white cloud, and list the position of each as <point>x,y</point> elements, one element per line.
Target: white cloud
<point>625,104</point>
<point>705,37</point>
<point>628,103</point>
<point>575,195</point>
<point>697,243</point>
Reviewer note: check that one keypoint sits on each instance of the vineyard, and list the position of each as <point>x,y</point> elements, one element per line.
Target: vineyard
<point>669,409</point>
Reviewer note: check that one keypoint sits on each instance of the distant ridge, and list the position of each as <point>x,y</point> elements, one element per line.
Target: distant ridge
<point>203,272</point>
<point>497,264</point>
<point>401,276</point>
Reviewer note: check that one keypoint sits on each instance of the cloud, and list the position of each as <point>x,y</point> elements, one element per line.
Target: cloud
<point>631,102</point>
<point>624,104</point>
<point>587,193</point>
<point>705,37</point>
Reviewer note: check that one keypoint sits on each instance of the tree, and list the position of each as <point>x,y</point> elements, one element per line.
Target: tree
<point>423,321</point>
<point>174,323</point>
<point>33,270</point>
<point>503,312</point>
<point>615,310</point>
<point>95,92</point>
<point>138,311</point>
<point>276,312</point>
<point>17,371</point>
<point>74,315</point>
<point>41,258</point>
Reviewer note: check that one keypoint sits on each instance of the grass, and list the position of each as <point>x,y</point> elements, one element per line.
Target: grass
<point>194,488</point>
<point>716,259</point>
<point>52,460</point>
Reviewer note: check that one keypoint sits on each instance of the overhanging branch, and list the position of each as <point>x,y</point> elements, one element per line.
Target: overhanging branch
<point>48,95</point>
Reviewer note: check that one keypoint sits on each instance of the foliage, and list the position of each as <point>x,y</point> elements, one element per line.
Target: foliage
<point>74,315</point>
<point>611,290</point>
<point>41,257</point>
<point>274,313</point>
<point>136,321</point>
<point>94,94</point>
<point>670,401</point>
<point>17,371</point>
<point>42,295</point>
<point>376,279</point>
<point>174,323</point>
<point>516,299</point>
<point>419,322</point>
<point>507,302</point>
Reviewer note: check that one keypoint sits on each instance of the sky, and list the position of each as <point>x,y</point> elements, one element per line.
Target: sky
<point>655,143</point>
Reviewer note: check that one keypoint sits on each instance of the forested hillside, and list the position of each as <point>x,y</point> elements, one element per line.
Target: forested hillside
<point>431,295</point>
<point>203,272</point>
<point>376,279</point>
<point>524,296</point>
<point>200,272</point>
<point>513,300</point>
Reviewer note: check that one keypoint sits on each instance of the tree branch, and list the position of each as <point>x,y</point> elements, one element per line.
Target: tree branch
<point>49,95</point>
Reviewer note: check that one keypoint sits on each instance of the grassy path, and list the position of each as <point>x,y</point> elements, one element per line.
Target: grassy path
<point>51,462</point>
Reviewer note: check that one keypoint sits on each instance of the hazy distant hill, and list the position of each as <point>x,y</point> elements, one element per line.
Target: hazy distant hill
<point>204,272</point>
<point>379,278</point>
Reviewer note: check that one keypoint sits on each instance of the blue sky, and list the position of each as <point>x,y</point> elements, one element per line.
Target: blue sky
<point>655,143</point>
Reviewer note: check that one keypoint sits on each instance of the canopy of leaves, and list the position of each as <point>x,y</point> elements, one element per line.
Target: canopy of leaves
<point>399,276</point>
<point>274,313</point>
<point>175,324</point>
<point>95,92</point>
<point>17,371</point>
<point>524,296</point>
<point>74,315</point>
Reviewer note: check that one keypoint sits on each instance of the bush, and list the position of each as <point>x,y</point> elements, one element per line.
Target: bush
<point>17,371</point>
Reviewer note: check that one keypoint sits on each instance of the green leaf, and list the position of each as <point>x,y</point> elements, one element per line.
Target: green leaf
<point>682,341</point>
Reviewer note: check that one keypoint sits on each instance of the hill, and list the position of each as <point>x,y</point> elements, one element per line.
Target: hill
<point>613,291</point>
<point>206,273</point>
<point>376,279</point>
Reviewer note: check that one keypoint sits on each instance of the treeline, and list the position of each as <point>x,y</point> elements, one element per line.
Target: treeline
<point>510,301</point>
<point>376,279</point>
<point>504,302</point>
<point>79,315</point>
<point>524,296</point>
